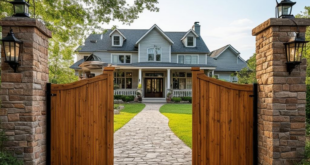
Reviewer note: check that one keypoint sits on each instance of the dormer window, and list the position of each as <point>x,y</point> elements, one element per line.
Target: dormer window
<point>116,41</point>
<point>190,41</point>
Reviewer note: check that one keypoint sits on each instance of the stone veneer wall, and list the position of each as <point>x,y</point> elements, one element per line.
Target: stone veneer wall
<point>22,94</point>
<point>282,97</point>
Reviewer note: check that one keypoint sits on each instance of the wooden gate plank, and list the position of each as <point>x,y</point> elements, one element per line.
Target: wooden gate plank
<point>222,121</point>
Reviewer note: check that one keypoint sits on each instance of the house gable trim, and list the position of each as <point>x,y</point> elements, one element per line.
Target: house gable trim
<point>152,28</point>
<point>191,30</point>
<point>118,32</point>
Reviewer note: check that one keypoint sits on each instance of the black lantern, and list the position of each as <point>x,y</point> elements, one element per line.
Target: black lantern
<point>21,8</point>
<point>294,50</point>
<point>12,50</point>
<point>284,9</point>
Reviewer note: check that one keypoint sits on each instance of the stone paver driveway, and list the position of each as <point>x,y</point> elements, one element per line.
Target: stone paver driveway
<point>147,139</point>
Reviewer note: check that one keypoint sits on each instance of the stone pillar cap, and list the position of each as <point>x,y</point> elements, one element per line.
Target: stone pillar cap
<point>280,22</point>
<point>26,22</point>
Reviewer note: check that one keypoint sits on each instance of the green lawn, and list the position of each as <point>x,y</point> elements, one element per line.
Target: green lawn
<point>126,114</point>
<point>180,120</point>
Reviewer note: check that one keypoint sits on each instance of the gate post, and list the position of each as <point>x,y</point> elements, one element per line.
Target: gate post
<point>22,94</point>
<point>282,97</point>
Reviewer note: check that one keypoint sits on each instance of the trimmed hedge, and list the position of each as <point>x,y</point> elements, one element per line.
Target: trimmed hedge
<point>176,99</point>
<point>124,98</point>
<point>189,99</point>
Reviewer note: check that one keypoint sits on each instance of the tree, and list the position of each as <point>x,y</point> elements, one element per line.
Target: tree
<point>306,14</point>
<point>72,21</point>
<point>247,75</point>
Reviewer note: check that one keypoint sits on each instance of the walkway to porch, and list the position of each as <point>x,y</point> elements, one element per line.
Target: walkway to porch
<point>147,139</point>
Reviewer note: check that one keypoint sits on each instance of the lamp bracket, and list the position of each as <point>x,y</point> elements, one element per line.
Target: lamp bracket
<point>290,66</point>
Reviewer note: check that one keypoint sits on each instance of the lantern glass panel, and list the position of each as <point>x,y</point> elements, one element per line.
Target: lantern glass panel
<point>9,50</point>
<point>26,9</point>
<point>286,10</point>
<point>17,48</point>
<point>280,10</point>
<point>19,8</point>
<point>291,53</point>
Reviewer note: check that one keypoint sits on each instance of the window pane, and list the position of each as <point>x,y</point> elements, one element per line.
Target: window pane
<point>194,60</point>
<point>121,83</point>
<point>128,83</point>
<point>189,74</point>
<point>182,74</point>
<point>187,59</point>
<point>175,83</point>
<point>190,41</point>
<point>116,40</point>
<point>182,83</point>
<point>121,59</point>
<point>189,83</point>
<point>151,57</point>
<point>181,60</point>
<point>120,74</point>
<point>128,59</point>
<point>158,57</point>
<point>115,59</point>
<point>128,74</point>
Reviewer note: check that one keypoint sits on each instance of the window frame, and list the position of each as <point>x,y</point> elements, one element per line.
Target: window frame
<point>121,54</point>
<point>120,40</point>
<point>194,41</point>
<point>161,52</point>
<point>187,55</point>
<point>123,77</point>
<point>188,80</point>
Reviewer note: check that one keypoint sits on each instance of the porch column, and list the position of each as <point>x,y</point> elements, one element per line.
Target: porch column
<point>212,73</point>
<point>168,78</point>
<point>140,76</point>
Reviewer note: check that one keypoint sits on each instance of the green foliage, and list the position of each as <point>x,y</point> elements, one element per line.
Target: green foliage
<point>118,97</point>
<point>248,75</point>
<point>176,99</point>
<point>189,99</point>
<point>72,21</point>
<point>308,104</point>
<point>128,98</point>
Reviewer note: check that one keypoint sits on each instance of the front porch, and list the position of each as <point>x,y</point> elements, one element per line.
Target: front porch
<point>154,82</point>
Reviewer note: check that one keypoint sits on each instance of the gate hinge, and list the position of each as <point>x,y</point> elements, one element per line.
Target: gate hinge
<point>251,95</point>
<point>53,94</point>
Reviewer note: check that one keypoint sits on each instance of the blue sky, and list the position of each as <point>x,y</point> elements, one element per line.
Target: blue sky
<point>222,21</point>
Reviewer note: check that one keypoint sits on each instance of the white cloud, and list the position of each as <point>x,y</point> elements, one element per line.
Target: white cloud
<point>241,22</point>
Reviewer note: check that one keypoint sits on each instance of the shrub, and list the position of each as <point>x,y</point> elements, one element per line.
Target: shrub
<point>118,97</point>
<point>176,99</point>
<point>128,98</point>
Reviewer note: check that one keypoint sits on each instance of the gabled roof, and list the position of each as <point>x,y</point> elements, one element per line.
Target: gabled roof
<point>216,53</point>
<point>133,35</point>
<point>152,28</point>
<point>118,32</point>
<point>190,30</point>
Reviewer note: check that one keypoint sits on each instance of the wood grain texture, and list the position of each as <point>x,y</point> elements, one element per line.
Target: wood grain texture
<point>222,121</point>
<point>82,121</point>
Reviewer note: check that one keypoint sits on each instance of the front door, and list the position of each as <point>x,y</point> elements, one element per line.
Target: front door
<point>153,87</point>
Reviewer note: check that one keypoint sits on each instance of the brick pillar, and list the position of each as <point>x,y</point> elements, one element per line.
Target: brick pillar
<point>282,97</point>
<point>23,93</point>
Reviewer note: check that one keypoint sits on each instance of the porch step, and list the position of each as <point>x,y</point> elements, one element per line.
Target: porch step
<point>153,100</point>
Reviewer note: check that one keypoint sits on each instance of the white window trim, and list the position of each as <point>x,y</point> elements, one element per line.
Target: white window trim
<point>147,52</point>
<point>187,55</point>
<point>194,42</point>
<point>112,54</point>
<point>120,40</point>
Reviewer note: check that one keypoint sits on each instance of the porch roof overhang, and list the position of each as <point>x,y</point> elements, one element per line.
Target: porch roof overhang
<point>162,65</point>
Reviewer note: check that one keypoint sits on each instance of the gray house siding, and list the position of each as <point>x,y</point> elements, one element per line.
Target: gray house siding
<point>226,76</point>
<point>227,57</point>
<point>154,38</point>
<point>202,58</point>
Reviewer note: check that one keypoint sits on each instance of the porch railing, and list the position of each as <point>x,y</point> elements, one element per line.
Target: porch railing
<point>182,93</point>
<point>126,92</point>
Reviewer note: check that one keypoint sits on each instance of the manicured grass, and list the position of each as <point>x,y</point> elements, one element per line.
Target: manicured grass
<point>180,120</point>
<point>126,114</point>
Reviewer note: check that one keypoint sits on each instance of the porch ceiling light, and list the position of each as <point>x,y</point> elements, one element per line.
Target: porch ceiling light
<point>20,8</point>
<point>284,9</point>
<point>12,50</point>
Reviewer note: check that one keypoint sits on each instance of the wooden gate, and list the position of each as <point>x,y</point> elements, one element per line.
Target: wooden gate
<point>222,121</point>
<point>80,127</point>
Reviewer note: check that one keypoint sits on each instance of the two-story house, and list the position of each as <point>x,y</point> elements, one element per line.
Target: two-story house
<point>157,60</point>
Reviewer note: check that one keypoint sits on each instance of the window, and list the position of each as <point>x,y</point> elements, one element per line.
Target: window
<point>116,41</point>
<point>182,80</point>
<point>188,59</point>
<point>122,80</point>
<point>121,59</point>
<point>154,54</point>
<point>190,41</point>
